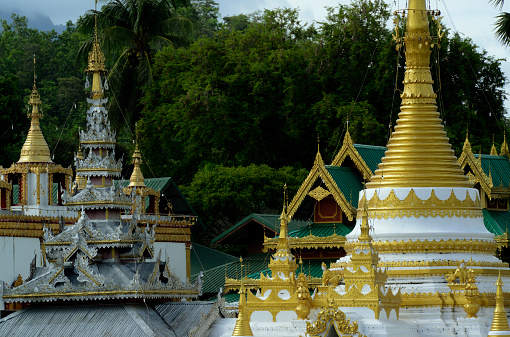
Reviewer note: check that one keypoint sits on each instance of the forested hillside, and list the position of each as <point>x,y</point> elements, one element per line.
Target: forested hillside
<point>233,108</point>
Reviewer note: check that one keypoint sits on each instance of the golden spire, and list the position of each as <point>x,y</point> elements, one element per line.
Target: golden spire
<point>137,179</point>
<point>467,144</point>
<point>365,229</point>
<point>242,327</point>
<point>504,147</point>
<point>419,154</point>
<point>494,152</point>
<point>500,321</point>
<point>96,65</point>
<point>35,149</point>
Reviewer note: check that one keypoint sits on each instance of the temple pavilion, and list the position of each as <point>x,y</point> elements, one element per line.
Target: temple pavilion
<point>420,258</point>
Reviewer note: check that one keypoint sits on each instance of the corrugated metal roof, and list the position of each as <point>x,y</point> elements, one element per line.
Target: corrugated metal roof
<point>86,321</point>
<point>205,258</point>
<point>348,181</point>
<point>372,155</point>
<point>271,221</point>
<point>498,167</point>
<point>183,316</point>
<point>496,222</point>
<point>322,230</point>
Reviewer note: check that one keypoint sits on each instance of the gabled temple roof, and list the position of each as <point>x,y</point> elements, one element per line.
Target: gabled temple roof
<point>204,258</point>
<point>270,221</point>
<point>491,172</point>
<point>497,167</point>
<point>349,182</point>
<point>496,222</point>
<point>371,154</point>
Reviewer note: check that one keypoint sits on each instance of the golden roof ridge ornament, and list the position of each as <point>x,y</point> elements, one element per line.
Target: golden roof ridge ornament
<point>96,65</point>
<point>504,147</point>
<point>137,179</point>
<point>494,152</point>
<point>419,154</point>
<point>500,325</point>
<point>35,149</point>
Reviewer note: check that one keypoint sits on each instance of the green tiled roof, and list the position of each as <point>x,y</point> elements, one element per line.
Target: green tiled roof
<point>205,258</point>
<point>214,278</point>
<point>372,155</point>
<point>498,167</point>
<point>322,230</point>
<point>271,221</point>
<point>349,182</point>
<point>496,222</point>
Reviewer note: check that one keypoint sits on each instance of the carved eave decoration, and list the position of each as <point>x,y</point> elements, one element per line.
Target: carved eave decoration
<point>319,171</point>
<point>413,206</point>
<point>51,168</point>
<point>478,175</point>
<point>5,185</point>
<point>308,242</point>
<point>348,150</point>
<point>503,239</point>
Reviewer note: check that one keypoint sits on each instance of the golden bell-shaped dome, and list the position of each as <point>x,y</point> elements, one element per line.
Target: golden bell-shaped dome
<point>35,149</point>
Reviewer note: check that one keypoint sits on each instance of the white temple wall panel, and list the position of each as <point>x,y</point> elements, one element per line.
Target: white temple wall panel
<point>16,254</point>
<point>176,252</point>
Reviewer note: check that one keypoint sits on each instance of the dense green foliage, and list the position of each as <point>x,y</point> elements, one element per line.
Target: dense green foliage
<point>234,112</point>
<point>131,32</point>
<point>59,81</point>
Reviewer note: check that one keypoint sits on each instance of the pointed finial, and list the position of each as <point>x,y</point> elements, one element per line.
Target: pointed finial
<point>504,147</point>
<point>500,320</point>
<point>494,152</point>
<point>318,143</point>
<point>96,64</point>
<point>365,229</point>
<point>35,148</point>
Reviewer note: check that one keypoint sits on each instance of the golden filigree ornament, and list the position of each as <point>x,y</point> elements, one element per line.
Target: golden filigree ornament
<point>472,295</point>
<point>303,296</point>
<point>413,206</point>
<point>319,193</point>
<point>332,318</point>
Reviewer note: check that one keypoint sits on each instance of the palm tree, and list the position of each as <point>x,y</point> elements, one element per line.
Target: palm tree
<point>131,32</point>
<point>502,30</point>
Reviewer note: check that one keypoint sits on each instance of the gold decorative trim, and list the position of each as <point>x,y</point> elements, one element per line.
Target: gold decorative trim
<point>348,149</point>
<point>434,246</point>
<point>412,206</point>
<point>478,176</point>
<point>319,171</point>
<point>319,193</point>
<point>339,322</point>
<point>308,242</point>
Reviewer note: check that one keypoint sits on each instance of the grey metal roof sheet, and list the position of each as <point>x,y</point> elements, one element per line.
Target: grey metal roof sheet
<point>86,321</point>
<point>183,316</point>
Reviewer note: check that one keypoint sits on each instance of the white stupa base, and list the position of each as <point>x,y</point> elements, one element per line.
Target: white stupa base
<point>412,322</point>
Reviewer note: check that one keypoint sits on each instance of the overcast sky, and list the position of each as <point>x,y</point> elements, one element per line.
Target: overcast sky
<point>472,18</point>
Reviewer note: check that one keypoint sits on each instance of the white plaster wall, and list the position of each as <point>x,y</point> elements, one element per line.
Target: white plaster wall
<point>16,255</point>
<point>32,188</point>
<point>176,252</point>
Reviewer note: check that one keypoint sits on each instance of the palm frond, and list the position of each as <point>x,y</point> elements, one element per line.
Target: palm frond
<point>502,30</point>
<point>497,3</point>
<point>160,42</point>
<point>178,26</point>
